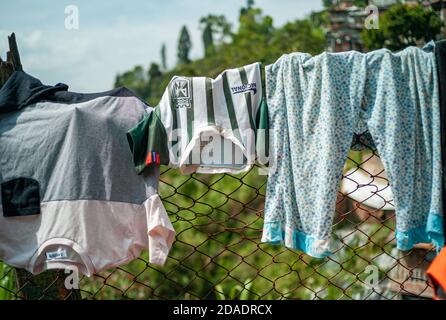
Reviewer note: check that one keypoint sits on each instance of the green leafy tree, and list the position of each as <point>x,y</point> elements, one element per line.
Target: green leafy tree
<point>184,46</point>
<point>216,30</point>
<point>361,3</point>
<point>327,3</point>
<point>255,23</point>
<point>208,40</point>
<point>154,76</point>
<point>249,6</point>
<point>135,80</point>
<point>401,26</point>
<point>253,37</point>
<point>300,35</point>
<point>163,57</point>
<point>319,18</point>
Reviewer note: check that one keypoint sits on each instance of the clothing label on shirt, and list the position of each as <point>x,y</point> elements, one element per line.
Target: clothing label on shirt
<point>59,254</point>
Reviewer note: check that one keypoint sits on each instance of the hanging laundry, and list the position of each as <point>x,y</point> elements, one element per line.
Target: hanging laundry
<point>69,193</point>
<point>316,105</point>
<point>437,269</point>
<point>440,54</point>
<point>205,125</point>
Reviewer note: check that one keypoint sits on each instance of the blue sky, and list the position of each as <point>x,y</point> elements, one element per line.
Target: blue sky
<point>114,36</point>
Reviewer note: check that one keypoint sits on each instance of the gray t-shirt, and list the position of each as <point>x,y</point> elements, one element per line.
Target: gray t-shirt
<point>69,193</point>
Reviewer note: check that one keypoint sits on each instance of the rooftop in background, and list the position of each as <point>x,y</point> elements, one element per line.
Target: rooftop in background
<point>346,21</point>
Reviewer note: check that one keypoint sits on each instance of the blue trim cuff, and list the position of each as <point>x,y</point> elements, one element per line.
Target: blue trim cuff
<point>276,233</point>
<point>431,232</point>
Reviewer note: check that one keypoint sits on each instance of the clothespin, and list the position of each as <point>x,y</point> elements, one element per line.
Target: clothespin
<point>6,70</point>
<point>12,62</point>
<point>14,53</point>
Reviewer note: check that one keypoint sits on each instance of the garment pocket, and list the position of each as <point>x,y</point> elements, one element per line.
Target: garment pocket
<point>20,197</point>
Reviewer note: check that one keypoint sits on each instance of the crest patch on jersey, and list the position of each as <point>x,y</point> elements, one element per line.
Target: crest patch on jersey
<point>182,93</point>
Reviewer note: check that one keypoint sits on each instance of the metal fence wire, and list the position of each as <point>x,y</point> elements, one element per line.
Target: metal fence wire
<point>218,254</point>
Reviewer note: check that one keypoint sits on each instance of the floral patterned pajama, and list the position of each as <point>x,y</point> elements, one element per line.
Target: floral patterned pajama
<point>316,105</point>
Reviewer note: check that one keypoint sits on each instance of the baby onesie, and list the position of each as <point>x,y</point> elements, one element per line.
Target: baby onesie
<point>69,194</point>
<point>205,125</point>
<point>316,105</point>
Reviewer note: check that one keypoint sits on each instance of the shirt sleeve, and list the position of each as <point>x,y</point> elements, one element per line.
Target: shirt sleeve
<point>148,142</point>
<point>160,231</point>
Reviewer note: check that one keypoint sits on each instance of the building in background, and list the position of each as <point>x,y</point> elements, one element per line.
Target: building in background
<point>346,21</point>
<point>344,27</point>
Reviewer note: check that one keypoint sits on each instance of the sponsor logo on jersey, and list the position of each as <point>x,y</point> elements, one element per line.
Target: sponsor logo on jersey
<point>244,88</point>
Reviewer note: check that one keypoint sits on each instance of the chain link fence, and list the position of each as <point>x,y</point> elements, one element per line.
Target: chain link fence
<point>218,255</point>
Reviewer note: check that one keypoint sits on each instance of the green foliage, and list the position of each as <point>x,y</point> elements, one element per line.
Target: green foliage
<point>237,292</point>
<point>220,27</point>
<point>7,282</point>
<point>403,25</point>
<point>154,76</point>
<point>327,3</point>
<point>184,46</point>
<point>300,35</point>
<point>208,40</point>
<point>253,37</point>
<point>249,5</point>
<point>135,80</point>
<point>360,3</point>
<point>319,19</point>
<point>216,30</point>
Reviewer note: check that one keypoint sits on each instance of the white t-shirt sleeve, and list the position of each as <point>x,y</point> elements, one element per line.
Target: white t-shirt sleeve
<point>160,231</point>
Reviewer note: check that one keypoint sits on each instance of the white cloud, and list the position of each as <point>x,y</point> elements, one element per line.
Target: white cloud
<point>32,39</point>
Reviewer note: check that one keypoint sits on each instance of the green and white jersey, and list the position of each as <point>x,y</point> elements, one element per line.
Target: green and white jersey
<point>206,125</point>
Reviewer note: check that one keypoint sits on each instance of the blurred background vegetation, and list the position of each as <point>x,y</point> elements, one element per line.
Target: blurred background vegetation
<point>218,218</point>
